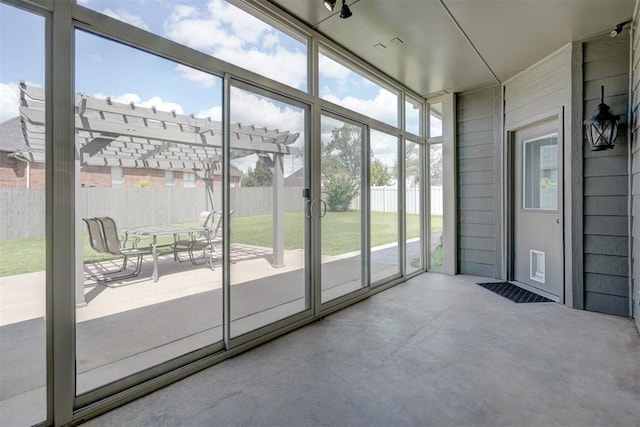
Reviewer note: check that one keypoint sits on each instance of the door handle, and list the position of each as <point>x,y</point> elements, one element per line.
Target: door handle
<point>307,208</point>
<point>323,212</point>
<point>557,220</point>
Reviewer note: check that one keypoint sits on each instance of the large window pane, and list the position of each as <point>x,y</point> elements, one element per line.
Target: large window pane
<point>219,29</point>
<point>436,202</point>
<point>267,246</point>
<point>133,128</point>
<point>22,221</point>
<point>413,203</point>
<point>347,88</point>
<point>435,120</point>
<point>383,202</point>
<point>341,226</point>
<point>413,116</point>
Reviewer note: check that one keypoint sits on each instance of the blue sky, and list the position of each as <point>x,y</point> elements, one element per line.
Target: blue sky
<point>106,68</point>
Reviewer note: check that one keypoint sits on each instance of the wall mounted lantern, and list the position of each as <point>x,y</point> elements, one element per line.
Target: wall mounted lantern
<point>602,127</point>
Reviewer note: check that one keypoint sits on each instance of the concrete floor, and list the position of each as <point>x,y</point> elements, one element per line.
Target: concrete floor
<point>437,351</point>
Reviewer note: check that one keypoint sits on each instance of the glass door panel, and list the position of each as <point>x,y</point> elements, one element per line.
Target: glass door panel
<point>267,222</point>
<point>23,373</point>
<point>413,207</point>
<point>342,261</point>
<point>383,202</point>
<point>148,198</point>
<point>436,203</point>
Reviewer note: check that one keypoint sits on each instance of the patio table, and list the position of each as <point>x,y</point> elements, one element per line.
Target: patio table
<point>156,231</point>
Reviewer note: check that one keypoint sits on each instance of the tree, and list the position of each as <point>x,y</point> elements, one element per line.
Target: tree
<point>380,174</point>
<point>261,176</point>
<point>341,167</point>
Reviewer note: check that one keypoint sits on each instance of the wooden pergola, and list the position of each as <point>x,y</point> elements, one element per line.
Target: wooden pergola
<point>109,133</point>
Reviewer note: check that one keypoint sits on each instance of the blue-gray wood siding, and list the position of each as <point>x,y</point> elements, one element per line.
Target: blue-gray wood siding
<point>606,181</point>
<point>477,114</point>
<point>635,153</point>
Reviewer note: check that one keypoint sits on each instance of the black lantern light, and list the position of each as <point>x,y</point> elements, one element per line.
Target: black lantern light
<point>602,127</point>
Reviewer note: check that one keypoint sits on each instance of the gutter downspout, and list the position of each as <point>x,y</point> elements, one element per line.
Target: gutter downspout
<point>19,156</point>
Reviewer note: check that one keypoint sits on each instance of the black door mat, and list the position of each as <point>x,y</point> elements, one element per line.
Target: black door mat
<point>513,292</point>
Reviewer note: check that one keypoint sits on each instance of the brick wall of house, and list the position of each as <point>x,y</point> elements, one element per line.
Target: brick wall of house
<point>13,174</point>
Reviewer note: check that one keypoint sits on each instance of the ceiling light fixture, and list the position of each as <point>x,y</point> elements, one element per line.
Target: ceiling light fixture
<point>345,12</point>
<point>330,5</point>
<point>616,31</point>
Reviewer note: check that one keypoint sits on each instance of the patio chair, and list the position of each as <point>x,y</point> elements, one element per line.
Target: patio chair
<point>207,245</point>
<point>113,246</point>
<point>96,239</point>
<point>184,244</point>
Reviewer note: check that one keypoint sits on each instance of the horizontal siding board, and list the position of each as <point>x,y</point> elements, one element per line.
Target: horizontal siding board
<point>480,99</point>
<point>605,67</point>
<point>480,243</point>
<point>606,264</point>
<point>476,114</point>
<point>549,104</point>
<point>477,204</point>
<point>546,88</point>
<point>475,165</point>
<point>613,85</point>
<point>475,138</point>
<point>479,257</point>
<point>476,269</point>
<point>606,166</point>
<point>479,230</point>
<point>606,245</point>
<point>606,225</point>
<point>606,205</point>
<point>603,284</point>
<point>476,190</point>
<point>603,303</point>
<point>606,186</point>
<point>485,177</point>
<point>604,49</point>
<point>475,151</point>
<point>478,125</point>
<point>477,217</point>
<point>526,82</point>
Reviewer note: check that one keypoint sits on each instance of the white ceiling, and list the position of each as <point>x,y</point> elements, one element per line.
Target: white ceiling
<point>455,45</point>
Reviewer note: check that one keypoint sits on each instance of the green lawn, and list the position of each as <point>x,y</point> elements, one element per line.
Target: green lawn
<point>340,234</point>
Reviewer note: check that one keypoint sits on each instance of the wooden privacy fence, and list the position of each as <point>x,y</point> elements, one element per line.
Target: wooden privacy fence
<point>22,210</point>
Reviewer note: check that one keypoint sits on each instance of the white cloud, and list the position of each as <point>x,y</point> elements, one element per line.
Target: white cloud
<point>214,112</point>
<point>383,107</point>
<point>227,32</point>
<point>200,77</point>
<point>83,2</point>
<point>9,101</point>
<point>331,69</point>
<point>126,16</point>
<point>249,109</point>
<point>154,101</point>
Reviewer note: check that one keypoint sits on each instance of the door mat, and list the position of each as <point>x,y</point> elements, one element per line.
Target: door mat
<point>513,292</point>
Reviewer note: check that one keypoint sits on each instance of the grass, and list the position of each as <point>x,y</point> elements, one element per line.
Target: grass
<point>340,234</point>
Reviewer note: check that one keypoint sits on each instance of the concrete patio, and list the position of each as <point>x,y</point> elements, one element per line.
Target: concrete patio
<point>436,350</point>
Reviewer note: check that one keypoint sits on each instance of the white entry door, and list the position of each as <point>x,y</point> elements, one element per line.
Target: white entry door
<point>537,236</point>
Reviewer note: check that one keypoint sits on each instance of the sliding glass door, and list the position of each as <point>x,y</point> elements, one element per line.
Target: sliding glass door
<point>267,199</point>
<point>343,267</point>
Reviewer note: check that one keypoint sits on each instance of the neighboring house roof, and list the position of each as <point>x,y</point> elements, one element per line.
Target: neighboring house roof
<point>11,136</point>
